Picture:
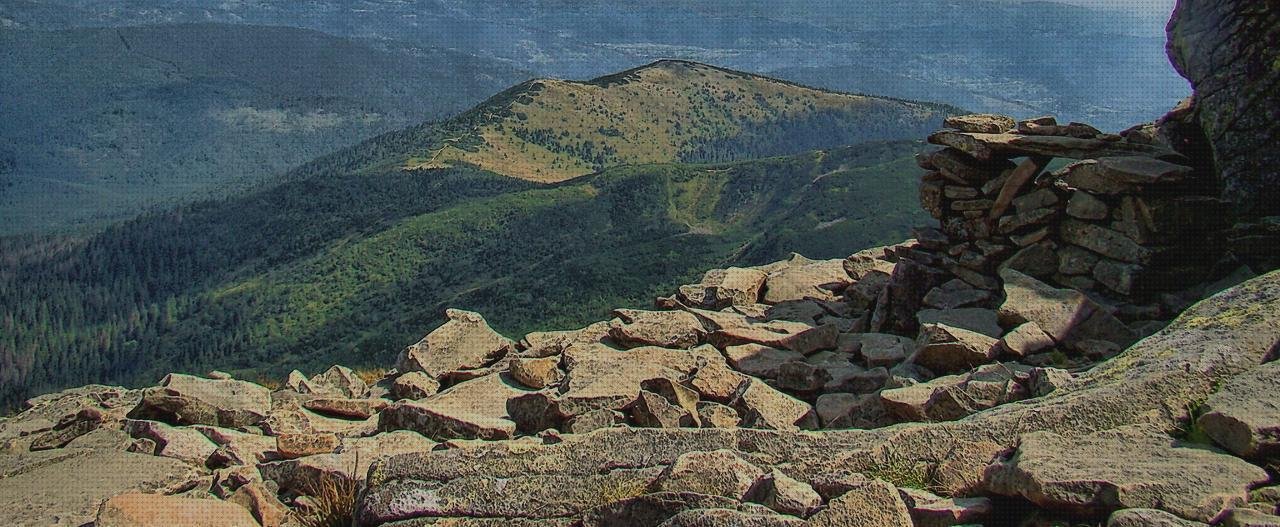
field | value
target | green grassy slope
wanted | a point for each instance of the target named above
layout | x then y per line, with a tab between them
352	268
549	130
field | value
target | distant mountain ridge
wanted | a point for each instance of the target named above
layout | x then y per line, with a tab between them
667	111
1102	66
98	124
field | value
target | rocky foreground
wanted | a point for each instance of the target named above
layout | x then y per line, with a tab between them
973	375
1080	338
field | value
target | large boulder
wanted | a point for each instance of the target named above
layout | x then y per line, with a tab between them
475	409
155	510
465	342
188	400
1066	315
763	406
1148	518
66	486
944	349
186	444
758	360
803	278
722	288
1226	48
956	396
1244	415
1129	467
871	503
716	473
665	329
351	461
729	518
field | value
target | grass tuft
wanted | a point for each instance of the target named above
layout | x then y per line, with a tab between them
334	497
371	375
614	490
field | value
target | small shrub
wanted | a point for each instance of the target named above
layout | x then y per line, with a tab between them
334	497
620	489
268	382
371	375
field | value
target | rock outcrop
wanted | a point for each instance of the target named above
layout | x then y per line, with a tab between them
1226	48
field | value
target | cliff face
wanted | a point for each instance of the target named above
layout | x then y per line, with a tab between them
1230	51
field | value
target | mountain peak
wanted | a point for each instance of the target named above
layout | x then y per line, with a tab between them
551	130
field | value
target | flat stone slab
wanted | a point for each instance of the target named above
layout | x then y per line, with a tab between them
64	487
1129	467
1244	416
474	409
996	146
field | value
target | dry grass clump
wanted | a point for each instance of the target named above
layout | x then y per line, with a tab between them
371	375
333	500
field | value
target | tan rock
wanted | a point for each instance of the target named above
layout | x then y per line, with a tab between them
474	409
870	503
1063	314
984	123
69	428
1026	339
548	343
185	444
758	360
974	319
1123	174
1148	518
292	446
729	518
414	385
665	329
595	420
956	396
877	349
715	415
715	473
1104	241
806	279
188	400
345	408
721	288
154	510
1246	517
788	496
262	504
537	373
1244	414
465	342
66	486
1132	467
795	336
929	510
944	349
338	381
962	168
654	411
762	406
1004	146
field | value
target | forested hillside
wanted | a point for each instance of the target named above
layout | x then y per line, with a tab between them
99	124
353	265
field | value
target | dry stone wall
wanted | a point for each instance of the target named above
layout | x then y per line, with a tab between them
1125	218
